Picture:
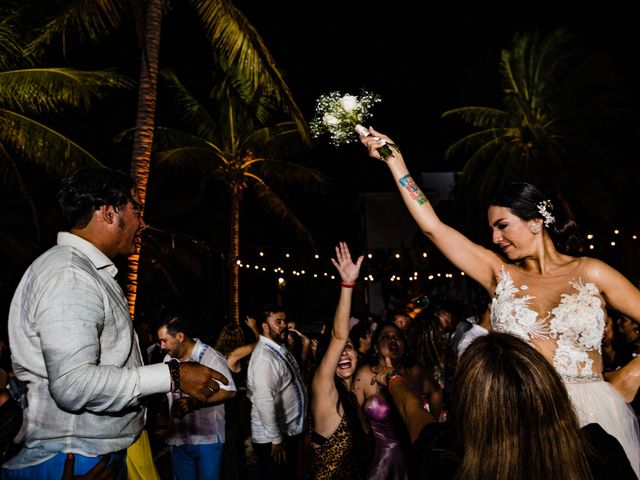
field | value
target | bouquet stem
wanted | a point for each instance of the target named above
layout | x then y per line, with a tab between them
384	151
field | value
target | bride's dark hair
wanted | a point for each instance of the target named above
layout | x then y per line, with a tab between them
523	200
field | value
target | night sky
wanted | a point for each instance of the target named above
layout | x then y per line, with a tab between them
422	60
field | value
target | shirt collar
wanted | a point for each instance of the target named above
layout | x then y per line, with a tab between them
270	342
195	353
99	259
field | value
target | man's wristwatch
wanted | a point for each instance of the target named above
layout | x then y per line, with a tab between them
174	370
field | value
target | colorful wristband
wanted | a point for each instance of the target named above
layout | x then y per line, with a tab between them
347	285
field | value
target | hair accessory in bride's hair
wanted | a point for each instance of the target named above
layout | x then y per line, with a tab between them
545	208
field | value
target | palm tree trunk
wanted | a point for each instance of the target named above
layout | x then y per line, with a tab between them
234	243
145	121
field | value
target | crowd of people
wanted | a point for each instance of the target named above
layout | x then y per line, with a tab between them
539	381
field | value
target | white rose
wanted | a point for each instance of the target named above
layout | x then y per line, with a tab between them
329	119
349	102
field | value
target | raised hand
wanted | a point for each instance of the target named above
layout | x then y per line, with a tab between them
252	323
375	140
348	270
382	373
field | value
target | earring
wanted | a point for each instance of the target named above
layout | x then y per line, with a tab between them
535	228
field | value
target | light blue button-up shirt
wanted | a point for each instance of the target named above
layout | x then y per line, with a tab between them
204	425
72	340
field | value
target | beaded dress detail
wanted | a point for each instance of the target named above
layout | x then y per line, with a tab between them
562	316
575	325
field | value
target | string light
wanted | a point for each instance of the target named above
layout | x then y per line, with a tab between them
308	257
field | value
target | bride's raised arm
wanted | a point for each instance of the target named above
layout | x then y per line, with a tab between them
478	262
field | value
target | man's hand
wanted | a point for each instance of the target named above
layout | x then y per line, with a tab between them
183	405
277	453
199	381
99	472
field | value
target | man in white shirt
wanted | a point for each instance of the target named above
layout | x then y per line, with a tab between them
196	431
278	398
73	341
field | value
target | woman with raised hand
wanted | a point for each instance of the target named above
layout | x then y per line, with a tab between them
543	291
339	441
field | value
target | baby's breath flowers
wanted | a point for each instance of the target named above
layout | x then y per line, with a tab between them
339	115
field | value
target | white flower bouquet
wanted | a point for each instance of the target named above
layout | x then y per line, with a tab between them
339	116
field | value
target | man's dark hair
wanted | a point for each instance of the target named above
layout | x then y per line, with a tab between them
176	324
86	190
267	310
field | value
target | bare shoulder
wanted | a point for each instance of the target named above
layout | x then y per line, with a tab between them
363	377
364	371
597	270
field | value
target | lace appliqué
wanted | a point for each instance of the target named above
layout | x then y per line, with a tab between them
577	324
511	314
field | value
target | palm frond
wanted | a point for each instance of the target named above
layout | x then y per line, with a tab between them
274	205
281	140
91	20
290	173
204	160
475	140
230	32
43	145
479	117
166	138
257	101
188	109
41	90
11	55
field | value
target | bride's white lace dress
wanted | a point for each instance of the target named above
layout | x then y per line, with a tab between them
562	316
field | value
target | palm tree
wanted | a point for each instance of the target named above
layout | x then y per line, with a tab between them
554	99
230	35
26	95
229	140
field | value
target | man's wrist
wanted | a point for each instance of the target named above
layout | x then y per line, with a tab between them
174	371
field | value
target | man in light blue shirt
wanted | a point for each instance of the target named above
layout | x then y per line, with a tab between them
73	341
197	429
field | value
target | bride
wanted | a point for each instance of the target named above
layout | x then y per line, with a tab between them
542	292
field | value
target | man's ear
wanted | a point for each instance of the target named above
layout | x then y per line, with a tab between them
107	213
180	337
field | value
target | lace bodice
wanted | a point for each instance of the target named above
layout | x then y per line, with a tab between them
570	332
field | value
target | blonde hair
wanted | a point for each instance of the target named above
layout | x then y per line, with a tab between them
513	415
